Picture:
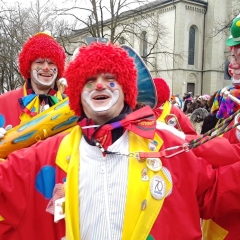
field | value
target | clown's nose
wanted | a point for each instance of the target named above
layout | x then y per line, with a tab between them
99	86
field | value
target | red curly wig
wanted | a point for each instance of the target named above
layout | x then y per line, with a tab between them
163	91
42	46
101	58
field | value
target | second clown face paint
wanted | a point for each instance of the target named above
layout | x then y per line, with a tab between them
102	96
234	66
43	72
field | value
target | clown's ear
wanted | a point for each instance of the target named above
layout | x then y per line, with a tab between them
146	87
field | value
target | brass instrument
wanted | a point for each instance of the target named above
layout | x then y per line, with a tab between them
54	120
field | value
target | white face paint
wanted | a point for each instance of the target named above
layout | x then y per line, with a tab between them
36	73
102	98
235	65
88	98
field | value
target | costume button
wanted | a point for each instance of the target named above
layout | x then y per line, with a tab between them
153	145
68	158
154	164
144	205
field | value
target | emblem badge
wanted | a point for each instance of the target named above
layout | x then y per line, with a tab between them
158	187
153	145
154	164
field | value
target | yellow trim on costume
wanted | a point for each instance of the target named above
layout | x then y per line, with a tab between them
137	222
212	231
68	160
1	218
166	110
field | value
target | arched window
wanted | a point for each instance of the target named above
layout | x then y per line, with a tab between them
143	46
191	46
122	40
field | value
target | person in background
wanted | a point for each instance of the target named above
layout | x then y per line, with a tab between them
92	182
187	100
227	226
169	113
209	121
180	100
175	101
204	102
41	63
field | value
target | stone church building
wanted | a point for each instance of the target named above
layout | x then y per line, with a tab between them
184	38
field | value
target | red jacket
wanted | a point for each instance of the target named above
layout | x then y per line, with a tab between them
198	191
10	108
230	221
24	198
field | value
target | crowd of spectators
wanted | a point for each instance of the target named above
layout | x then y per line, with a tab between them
198	109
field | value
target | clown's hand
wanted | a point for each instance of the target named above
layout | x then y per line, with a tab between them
62	84
63	81
3	131
224	92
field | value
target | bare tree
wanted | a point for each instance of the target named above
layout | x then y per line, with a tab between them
117	20
10	41
17	24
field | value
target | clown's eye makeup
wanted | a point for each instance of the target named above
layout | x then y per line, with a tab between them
88	85
112	84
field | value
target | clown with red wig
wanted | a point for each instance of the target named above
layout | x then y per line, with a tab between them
41	63
227	226
111	177
169	113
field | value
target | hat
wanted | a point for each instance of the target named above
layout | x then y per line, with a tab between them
42	46
101	58
234	38
206	97
163	91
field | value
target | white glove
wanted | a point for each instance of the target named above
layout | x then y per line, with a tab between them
63	81
3	131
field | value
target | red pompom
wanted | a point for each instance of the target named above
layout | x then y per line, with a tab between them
163	90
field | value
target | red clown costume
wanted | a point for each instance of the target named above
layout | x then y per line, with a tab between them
25	107
15	106
227	226
166	112
109	195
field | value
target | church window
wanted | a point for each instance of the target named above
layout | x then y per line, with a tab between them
191	46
